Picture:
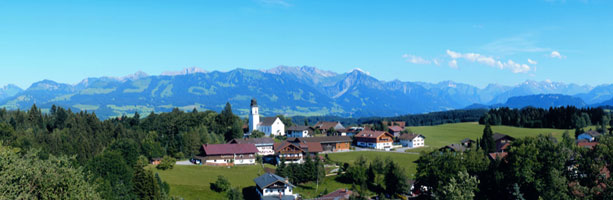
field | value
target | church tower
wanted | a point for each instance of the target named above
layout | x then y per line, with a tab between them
254	116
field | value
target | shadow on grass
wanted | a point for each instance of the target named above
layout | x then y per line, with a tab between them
250	193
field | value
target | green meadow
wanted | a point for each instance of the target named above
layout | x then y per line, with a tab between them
193	182
441	135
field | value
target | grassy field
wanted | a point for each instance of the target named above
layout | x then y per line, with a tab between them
404	160
193	182
441	135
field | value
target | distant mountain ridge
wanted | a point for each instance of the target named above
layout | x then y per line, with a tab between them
291	91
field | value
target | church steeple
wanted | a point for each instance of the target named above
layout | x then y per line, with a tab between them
254	116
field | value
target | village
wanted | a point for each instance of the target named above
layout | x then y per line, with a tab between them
298	143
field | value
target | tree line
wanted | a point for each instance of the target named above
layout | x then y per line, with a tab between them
111	154
568	117
538	167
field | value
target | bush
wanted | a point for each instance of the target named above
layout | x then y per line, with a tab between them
167	162
221	184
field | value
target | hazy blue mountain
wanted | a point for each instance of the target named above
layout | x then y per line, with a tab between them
287	90
543	87
544	101
9	90
597	95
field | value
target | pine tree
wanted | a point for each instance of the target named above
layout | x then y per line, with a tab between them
487	141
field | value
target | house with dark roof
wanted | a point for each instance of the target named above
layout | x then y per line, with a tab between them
401	124
395	130
328	143
589	136
300	131
467	142
264	145
296	152
272	187
412	140
226	154
502	141
586	144
340	194
454	148
323	127
375	139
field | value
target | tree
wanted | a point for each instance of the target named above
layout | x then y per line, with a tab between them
167	162
396	180
221	184
462	187
257	134
145	186
234	194
28	177
487	141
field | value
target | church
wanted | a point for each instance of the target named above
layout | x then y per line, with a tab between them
269	125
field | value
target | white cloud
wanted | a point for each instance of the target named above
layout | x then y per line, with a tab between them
532	62
488	60
416	59
453	64
556	54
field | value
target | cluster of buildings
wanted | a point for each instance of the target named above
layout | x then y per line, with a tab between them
301	141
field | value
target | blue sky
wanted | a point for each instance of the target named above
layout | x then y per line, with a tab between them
475	42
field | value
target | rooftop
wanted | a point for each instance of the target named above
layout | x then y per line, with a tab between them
225	149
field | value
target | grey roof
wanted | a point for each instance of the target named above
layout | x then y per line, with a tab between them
593	133
268	179
410	136
267	121
498	136
455	147
298	128
465	140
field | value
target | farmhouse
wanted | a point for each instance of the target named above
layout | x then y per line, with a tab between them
295	152
502	141
300	131
412	140
401	124
454	148
323	127
467	142
395	130
264	145
329	143
268	125
589	136
227	154
375	139
270	186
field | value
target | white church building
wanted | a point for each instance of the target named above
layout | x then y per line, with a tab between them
269	125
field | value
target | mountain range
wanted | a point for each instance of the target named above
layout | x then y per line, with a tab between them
291	91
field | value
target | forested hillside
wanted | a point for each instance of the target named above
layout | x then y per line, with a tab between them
113	151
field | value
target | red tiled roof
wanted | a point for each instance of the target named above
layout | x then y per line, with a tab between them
498	155
395	128
225	149
587	144
326	125
371	134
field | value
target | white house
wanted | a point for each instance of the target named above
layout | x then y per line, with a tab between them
375	139
412	140
269	125
271	186
265	145
299	131
227	154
